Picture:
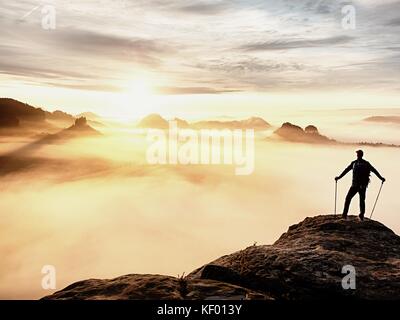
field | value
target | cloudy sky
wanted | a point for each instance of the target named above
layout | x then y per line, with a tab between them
274	51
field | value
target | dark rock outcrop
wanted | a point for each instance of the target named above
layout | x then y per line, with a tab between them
294	133
9	122
311	129
158	122
80	127
153	287
90	116
10	108
304	263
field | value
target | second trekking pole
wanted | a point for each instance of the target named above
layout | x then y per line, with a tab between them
377	197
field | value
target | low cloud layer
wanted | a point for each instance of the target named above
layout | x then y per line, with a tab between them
94	208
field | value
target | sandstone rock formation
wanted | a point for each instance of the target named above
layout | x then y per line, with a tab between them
304	263
294	133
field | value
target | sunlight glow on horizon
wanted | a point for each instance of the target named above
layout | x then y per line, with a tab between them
137	92
140	98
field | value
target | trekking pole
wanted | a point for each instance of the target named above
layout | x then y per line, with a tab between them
335	195
377	197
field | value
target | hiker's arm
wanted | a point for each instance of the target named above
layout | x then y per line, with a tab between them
345	171
377	173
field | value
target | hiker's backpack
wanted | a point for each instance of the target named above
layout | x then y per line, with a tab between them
361	172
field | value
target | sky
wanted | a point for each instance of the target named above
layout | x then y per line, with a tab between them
130	58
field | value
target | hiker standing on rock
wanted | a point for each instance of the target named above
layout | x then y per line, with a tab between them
361	172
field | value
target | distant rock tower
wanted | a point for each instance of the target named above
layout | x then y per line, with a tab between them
80	122
311	129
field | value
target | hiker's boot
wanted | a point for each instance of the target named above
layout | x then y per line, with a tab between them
344	216
361	216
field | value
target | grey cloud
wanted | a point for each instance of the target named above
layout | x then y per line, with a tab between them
92	40
192	90
146	51
49	71
71	54
57	77
326	6
85	86
381	15
23	64
32	69
204	8
320	7
393	23
324	9
249	64
296	44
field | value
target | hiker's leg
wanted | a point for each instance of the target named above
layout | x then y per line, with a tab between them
352	192
362	191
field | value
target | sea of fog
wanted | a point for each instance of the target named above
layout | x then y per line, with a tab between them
94	208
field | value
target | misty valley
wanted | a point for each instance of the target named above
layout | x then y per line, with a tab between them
82	188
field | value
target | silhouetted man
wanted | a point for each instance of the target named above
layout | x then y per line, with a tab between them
361	172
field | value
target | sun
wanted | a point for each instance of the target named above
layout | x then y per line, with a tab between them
137	99
140	90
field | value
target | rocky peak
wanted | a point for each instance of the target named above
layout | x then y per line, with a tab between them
294	133
80	122
306	262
